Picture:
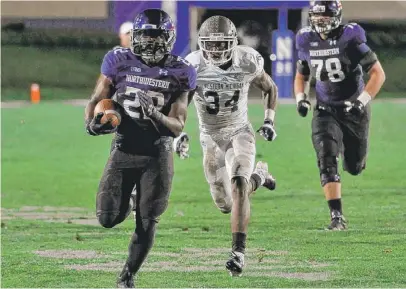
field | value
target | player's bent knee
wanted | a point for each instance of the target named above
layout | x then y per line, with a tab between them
354	169
328	170
242	167
107	220
221	196
223	203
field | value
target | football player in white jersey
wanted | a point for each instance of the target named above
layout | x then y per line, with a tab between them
225	71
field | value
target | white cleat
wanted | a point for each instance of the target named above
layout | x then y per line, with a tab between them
235	264
267	180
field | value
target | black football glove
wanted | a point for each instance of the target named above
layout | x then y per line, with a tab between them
355	107
267	130
95	127
303	107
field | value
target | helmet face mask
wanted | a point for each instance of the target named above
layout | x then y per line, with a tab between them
153	35
151	44
217	40
325	16
217	52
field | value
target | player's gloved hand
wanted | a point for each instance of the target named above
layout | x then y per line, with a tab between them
267	130
181	145
303	107
148	106
355	107
146	102
95	127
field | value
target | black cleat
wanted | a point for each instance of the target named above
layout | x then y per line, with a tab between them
338	222
126	279
235	264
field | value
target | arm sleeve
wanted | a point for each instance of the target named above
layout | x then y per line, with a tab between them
362	54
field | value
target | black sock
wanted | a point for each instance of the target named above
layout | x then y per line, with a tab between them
335	205
140	244
255	182
239	242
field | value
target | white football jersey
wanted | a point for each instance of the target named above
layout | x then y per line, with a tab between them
221	98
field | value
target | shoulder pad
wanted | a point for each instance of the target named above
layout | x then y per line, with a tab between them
184	72
302	37
246	49
355	32
255	56
251	58
194	58
306	29
120	49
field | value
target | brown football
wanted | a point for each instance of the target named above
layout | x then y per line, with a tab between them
110	110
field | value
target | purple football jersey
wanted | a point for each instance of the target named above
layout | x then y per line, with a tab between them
335	62
162	83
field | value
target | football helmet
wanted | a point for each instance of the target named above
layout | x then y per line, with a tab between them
153	35
325	16
217	40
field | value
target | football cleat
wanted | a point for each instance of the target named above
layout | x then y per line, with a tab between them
267	180
338	222
126	279
235	264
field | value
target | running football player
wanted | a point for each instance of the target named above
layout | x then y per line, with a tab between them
225	71
152	87
336	55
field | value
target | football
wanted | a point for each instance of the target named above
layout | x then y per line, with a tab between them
111	112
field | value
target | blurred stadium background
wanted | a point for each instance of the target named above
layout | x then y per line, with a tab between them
60	44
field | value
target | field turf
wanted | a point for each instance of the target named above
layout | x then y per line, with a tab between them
50	173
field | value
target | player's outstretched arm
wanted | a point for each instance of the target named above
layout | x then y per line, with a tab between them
270	97
181	143
175	120
302	88
101	91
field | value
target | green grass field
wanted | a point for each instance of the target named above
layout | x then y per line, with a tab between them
50	174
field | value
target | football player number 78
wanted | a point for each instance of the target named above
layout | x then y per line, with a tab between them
333	67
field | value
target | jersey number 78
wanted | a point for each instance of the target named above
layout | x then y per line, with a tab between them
333	67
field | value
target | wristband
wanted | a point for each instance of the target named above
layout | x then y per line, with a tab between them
300	96
364	97
155	114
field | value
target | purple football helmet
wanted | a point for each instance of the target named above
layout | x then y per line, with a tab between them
153	35
325	16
